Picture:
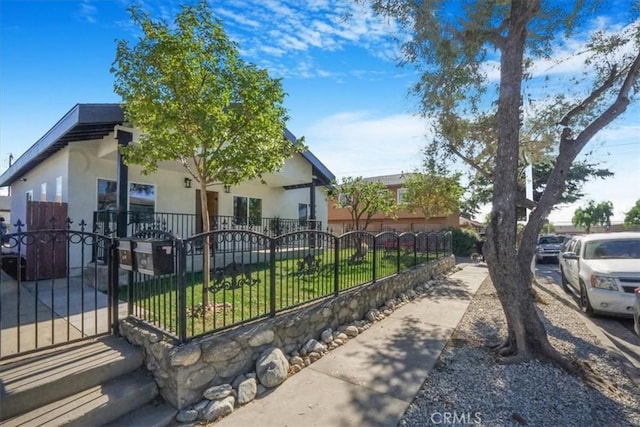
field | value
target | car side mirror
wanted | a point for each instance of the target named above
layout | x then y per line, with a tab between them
569	255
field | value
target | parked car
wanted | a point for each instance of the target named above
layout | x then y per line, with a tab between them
548	248
603	270
636	312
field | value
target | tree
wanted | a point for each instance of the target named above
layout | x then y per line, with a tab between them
432	194
481	185
632	218
593	214
584	217
363	199
579	173
198	103
454	49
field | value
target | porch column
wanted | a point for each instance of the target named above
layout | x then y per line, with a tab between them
122	172
312	199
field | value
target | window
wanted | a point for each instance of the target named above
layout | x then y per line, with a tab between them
576	248
43	192
401	196
303	213
142	197
59	189
107	194
344	200
247	210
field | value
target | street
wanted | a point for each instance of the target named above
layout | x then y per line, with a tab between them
618	330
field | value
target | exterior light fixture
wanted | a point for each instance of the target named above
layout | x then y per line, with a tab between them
187	183
227	189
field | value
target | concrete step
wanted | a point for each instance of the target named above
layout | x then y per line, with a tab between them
35	380
95	406
154	414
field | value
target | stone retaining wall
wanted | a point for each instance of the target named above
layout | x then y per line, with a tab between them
184	372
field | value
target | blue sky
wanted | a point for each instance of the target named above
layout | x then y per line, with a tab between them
346	95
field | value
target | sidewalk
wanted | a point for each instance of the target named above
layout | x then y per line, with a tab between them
372	379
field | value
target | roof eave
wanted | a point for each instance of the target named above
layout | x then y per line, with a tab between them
79	115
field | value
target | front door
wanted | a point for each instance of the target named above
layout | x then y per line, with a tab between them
212	206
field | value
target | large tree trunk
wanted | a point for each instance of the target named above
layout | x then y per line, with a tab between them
527	337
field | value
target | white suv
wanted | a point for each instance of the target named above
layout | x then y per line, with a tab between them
603	269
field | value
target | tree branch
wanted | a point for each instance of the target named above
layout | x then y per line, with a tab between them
618	107
523	202
593	96
470	162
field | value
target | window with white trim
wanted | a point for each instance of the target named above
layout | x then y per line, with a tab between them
59	189
247	210
401	195
142	197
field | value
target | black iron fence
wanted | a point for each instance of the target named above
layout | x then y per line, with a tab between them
50	291
252	275
185	225
54	291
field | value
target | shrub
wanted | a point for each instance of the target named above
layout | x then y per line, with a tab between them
463	241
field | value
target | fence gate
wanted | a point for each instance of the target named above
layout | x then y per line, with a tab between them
46	258
60	296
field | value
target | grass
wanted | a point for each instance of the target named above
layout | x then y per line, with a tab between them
244	293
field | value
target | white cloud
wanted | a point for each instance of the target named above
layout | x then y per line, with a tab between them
88	12
236	17
359	144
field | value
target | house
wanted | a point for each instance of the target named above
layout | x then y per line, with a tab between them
472	225
340	218
76	165
5	208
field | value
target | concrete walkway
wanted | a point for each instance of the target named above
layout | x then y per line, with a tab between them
372	379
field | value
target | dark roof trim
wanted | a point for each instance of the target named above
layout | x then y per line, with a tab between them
94	121
82	122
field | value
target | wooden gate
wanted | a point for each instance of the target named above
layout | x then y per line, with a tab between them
46	253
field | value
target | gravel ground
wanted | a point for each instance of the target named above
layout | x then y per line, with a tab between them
468	387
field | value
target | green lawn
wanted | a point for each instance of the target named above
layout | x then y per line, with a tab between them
245	294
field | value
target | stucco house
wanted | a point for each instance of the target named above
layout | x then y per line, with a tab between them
340	218
76	164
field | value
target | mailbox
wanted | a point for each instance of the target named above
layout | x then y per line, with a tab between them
154	257
125	254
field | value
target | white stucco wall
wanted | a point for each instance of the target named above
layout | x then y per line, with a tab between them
82	163
86	168
47	172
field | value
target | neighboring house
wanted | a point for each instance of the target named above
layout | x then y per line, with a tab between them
5	209
340	218
470	224
76	164
573	230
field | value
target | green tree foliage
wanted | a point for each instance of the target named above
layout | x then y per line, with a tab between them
593	214
480	117
363	199
463	241
197	102
632	218
480	188
432	194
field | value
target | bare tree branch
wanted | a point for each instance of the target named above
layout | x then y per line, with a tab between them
593	96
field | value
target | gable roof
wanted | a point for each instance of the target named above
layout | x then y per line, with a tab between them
95	121
389	180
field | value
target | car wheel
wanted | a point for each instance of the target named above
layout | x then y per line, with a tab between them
564	282
636	325
585	305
